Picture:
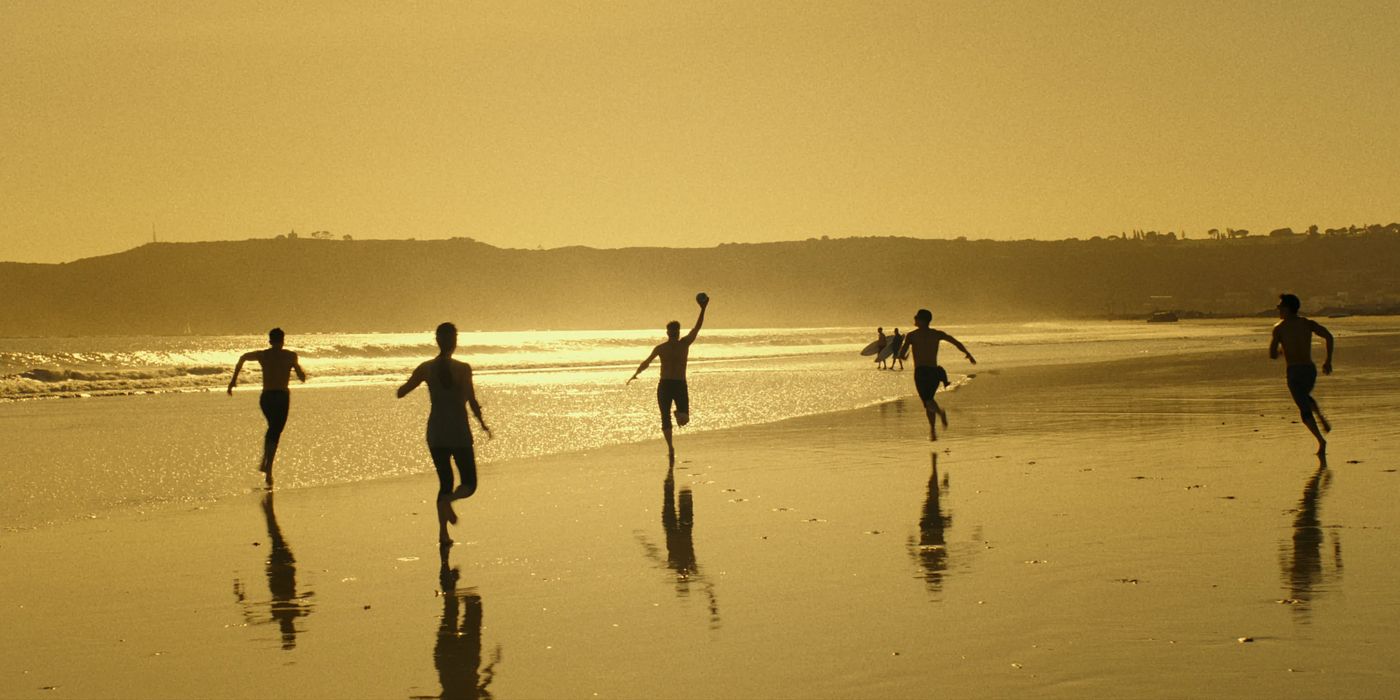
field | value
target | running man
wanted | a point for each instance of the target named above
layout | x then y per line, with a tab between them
277	364
927	373
672	388
1294	333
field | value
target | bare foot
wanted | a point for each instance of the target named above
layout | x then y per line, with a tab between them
445	512
1326	427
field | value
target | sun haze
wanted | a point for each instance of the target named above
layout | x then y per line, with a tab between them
688	124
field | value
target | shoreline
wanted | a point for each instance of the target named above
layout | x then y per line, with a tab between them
1079	531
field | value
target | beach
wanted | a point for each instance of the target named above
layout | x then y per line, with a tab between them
1152	526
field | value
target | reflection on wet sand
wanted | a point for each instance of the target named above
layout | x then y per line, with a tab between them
457	654
1304	568
931	551
286	604
678	523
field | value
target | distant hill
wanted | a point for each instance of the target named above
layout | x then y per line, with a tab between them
335	285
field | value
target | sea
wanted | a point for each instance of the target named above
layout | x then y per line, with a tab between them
94	425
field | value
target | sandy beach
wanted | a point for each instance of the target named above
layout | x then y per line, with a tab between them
1147	528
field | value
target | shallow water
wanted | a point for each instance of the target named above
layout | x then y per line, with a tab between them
73	458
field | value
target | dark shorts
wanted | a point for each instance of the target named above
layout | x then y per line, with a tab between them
672	391
275	405
927	379
1301	379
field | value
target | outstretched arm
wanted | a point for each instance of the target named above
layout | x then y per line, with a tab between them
233	382
419	374
1326	338
700	321
959	346
647	362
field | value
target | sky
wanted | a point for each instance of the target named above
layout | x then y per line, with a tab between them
657	123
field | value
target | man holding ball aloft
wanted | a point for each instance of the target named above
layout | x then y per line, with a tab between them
672	389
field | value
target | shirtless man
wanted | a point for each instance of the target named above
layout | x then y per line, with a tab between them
927	373
277	365
1294	333
672	389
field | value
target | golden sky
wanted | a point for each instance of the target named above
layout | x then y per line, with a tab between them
689	123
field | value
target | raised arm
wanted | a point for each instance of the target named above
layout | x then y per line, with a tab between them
699	321
419	374
960	346
474	404
647	362
1326	336
233	382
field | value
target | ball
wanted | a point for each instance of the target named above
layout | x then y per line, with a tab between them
701	298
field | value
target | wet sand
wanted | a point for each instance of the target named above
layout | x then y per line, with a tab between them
1105	530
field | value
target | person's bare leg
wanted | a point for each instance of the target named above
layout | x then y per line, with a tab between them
1326	427
445	515
930	410
670	448
269	453
1306	413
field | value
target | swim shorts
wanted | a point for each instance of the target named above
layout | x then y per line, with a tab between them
1301	379
669	391
927	379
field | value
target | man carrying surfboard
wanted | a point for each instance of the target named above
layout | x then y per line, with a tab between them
672	388
927	372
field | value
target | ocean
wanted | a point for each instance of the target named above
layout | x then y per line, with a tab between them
98	424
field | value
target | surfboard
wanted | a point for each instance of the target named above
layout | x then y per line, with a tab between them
871	349
886	351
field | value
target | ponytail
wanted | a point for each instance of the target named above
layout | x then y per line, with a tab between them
447	342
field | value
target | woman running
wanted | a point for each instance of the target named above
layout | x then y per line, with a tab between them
450	392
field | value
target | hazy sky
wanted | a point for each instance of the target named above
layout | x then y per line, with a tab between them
689	123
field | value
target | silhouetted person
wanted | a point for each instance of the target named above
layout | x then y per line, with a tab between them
678	524
895	341
286	605
450	392
1304	567
879	349
932	550
1294	333
277	365
457	654
672	388
928	374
